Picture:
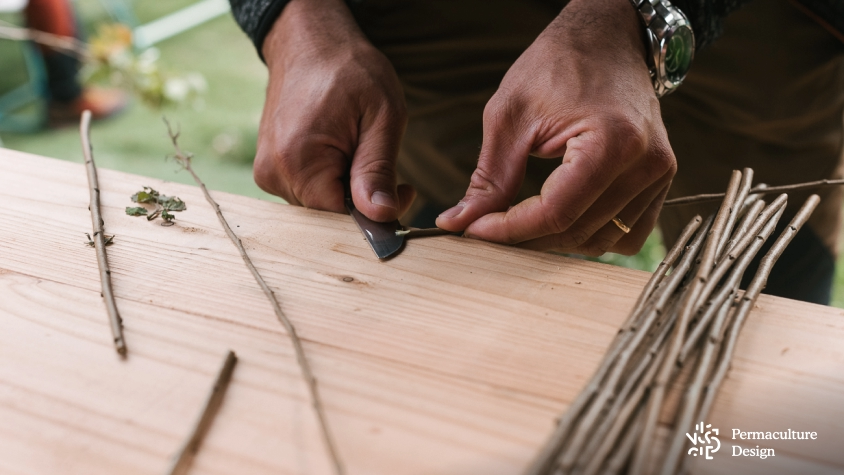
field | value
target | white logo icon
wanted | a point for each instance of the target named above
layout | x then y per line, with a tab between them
709	444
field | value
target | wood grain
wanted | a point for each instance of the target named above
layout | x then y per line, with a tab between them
452	358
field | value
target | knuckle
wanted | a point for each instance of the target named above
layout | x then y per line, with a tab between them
577	237
501	106
632	138
560	221
379	169
483	181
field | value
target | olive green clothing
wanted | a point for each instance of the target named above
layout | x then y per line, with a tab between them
769	95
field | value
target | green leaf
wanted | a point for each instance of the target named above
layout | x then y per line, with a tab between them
172	203
148	195
166	216
138	211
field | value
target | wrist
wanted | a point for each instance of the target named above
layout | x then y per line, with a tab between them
612	27
312	26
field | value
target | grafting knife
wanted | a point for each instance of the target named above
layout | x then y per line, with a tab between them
380	236
385	239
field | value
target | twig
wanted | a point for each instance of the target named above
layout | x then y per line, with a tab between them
184	160
743	242
757	190
670	257
183	460
65	44
730	287
99	235
690	297
749	299
750	215
627	400
544	461
427	232
628	442
735	209
688	408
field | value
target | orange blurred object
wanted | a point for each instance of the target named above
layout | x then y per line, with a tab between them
102	102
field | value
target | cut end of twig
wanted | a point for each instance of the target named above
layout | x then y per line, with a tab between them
120	346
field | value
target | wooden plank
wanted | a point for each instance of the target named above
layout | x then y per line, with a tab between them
452	358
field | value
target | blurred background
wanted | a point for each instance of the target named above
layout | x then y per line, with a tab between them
210	84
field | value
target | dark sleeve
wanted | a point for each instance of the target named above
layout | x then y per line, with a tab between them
256	18
707	17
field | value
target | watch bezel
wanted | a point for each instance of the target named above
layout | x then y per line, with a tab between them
662	80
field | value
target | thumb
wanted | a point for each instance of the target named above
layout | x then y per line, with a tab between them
373	170
497	178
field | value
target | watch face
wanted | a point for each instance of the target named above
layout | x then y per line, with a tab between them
678	53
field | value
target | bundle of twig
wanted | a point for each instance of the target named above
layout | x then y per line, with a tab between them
690	317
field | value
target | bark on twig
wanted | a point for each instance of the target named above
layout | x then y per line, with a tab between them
669	365
115	321
735	210
749	299
545	460
670	257
757	190
611	426
184	160
730	287
183	460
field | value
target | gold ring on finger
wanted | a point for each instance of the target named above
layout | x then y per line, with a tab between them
618	222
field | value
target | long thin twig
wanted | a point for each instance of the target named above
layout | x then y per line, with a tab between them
735	210
627	400
184	160
730	286
696	389
115	321
732	253
749	299
544	461
670	257
183	459
756	190
669	365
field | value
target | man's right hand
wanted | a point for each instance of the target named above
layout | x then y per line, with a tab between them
332	99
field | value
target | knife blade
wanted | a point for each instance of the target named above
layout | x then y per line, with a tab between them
382	237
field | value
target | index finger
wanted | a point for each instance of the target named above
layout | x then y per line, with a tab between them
588	169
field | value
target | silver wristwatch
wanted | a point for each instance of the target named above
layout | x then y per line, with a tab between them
671	43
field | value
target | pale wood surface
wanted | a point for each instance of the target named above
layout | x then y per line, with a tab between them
452	358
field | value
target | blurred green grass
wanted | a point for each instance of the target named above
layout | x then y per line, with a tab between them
222	134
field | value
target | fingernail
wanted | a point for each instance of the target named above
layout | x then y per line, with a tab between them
453	211
383	199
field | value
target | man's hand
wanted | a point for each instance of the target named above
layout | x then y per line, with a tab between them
582	92
332	99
